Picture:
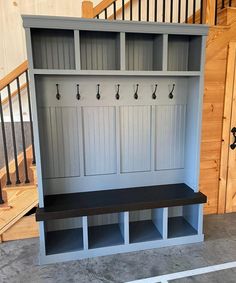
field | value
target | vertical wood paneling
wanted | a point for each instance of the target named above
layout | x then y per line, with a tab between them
59	142
53	49
178	53
99	50
46	142
99	140
140	215
61	224
139	52
170	136
135	123
104	219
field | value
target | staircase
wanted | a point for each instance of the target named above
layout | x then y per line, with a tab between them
18	177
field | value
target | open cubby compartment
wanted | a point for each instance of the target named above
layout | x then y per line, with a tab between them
106	230
183	220
184	53
99	50
63	235
146	225
53	49
144	52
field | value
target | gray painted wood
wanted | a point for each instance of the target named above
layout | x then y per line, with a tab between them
159	220
59	142
135	138
100	50
63	224
77	50
192	142
122	51
99	140
191	215
170	139
184	53
143	52
104	219
114	26
110	143
118	73
53	49
175	211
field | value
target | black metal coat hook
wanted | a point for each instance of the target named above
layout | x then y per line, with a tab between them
118	92
171	92
98	92
154	96
58	96
233	145
136	92
78	93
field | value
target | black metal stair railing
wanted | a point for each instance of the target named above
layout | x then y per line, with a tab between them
14	143
172	11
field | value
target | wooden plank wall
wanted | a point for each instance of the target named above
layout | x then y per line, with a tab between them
215	72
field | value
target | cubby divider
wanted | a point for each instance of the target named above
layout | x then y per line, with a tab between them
183	220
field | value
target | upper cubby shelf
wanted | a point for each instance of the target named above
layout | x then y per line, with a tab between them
143	52
99	50
53	49
92	52
184	53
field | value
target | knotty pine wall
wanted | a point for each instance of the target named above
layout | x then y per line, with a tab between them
215	73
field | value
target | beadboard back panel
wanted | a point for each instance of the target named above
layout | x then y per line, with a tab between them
53	49
135	138
99	51
143	52
99	140
59	142
113	143
171	138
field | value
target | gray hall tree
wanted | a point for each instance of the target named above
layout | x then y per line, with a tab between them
117	119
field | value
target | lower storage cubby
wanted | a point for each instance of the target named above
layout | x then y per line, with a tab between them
105	230
183	221
63	235
146	225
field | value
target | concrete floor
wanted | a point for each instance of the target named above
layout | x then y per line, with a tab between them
19	260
